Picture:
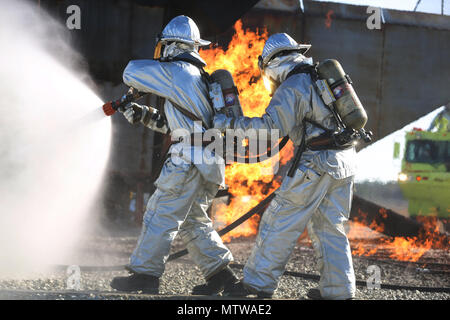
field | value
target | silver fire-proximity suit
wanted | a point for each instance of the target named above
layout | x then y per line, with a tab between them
184	190
318	196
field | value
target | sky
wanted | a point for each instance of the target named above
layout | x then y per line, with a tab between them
429	6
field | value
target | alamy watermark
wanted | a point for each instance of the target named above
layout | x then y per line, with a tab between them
373	282
74	19
375	19
373	22
73	281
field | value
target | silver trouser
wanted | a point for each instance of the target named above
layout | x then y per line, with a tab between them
323	204
179	205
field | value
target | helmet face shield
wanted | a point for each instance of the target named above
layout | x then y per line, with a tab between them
158	47
158	50
270	84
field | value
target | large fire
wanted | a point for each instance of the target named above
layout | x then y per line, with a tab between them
398	248
248	184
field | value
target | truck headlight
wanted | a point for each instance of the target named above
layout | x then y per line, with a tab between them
402	177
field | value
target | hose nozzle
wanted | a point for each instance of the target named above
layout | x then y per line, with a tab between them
110	107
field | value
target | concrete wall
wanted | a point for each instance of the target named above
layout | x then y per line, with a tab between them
112	33
400	72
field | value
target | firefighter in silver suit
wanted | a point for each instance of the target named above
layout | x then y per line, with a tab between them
185	189
317	197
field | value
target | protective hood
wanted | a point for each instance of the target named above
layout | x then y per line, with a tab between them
182	52
278	68
175	49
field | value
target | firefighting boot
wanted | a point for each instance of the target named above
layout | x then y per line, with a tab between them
217	283
314	294
136	282
239	289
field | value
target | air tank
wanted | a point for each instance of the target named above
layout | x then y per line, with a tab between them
226	97
347	103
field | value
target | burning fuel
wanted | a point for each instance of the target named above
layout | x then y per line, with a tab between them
397	248
248	184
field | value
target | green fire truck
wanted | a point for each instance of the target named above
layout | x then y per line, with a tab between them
425	172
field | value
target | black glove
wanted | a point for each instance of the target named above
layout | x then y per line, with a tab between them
135	113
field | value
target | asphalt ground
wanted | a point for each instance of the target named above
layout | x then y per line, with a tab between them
100	259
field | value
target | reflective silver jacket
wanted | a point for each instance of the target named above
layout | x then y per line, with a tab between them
179	82
295	100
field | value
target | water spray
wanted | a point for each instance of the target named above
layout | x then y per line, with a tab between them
54	147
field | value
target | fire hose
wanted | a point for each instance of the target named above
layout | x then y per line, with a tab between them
296	274
110	108
259	209
359	283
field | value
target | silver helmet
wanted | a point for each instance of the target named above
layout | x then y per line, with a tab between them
279	42
183	29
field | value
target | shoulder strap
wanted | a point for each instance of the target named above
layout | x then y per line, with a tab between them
205	77
299	153
190	57
207	80
318	125
312	70
189	114
305	68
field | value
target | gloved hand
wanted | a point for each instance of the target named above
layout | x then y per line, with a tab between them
222	122
148	116
135	113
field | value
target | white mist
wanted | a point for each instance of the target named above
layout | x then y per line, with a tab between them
54	141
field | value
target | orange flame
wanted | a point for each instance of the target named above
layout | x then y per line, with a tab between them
329	19
248	183
399	248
